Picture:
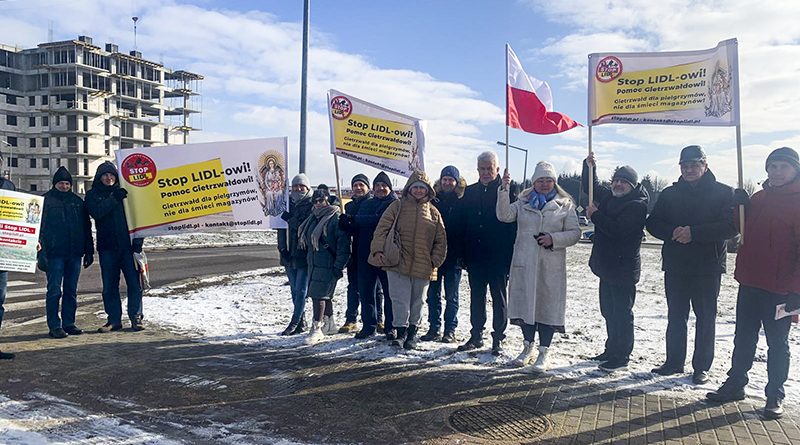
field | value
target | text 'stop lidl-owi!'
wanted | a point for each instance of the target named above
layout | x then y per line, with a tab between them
20	220
372	135
209	187
669	88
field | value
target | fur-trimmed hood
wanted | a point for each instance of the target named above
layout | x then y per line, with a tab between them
419	176
460	187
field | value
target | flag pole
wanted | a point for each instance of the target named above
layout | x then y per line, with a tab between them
507	106
741	179
338	181
590	188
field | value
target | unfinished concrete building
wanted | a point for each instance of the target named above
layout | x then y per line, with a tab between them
74	104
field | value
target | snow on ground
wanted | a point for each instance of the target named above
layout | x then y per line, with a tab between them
253	307
195	240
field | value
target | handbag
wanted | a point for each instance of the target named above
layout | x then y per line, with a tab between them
392	246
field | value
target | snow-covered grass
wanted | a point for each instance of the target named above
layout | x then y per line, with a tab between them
195	240
253	307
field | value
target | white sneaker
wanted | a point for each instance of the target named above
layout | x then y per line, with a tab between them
540	365
525	356
314	335
329	325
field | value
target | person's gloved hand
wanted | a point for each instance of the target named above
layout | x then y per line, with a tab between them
792	302
740	197
345	220
120	193
285	216
339	273
136	245
87	260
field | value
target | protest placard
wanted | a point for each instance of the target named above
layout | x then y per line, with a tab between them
20	220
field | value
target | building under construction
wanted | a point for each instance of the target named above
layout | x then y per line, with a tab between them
74	104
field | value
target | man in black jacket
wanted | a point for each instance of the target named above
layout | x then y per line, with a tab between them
449	191
488	245
5	184
65	237
115	247
360	193
619	219
694	218
293	258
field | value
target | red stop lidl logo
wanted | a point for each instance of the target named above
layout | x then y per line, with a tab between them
139	170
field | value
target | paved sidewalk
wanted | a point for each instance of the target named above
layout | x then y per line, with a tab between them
198	393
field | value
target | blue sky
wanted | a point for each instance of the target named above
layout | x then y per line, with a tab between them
443	61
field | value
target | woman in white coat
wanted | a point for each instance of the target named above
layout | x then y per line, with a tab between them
546	225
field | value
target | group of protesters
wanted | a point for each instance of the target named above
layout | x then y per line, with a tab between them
401	251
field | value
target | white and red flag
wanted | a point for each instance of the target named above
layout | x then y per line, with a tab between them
529	102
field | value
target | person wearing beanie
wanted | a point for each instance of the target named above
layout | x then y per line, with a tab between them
293	257
5	184
546	225
694	218
364	223
328	250
487	248
65	238
360	193
449	190
768	272
420	229
619	214
114	245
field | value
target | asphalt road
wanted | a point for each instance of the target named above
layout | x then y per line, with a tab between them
26	292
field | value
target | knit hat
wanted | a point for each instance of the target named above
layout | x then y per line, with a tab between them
301	179
784	154
627	174
322	191
692	153
62	174
360	178
450	171
384	178
544	170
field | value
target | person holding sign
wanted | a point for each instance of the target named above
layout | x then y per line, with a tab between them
546	225
293	258
768	272
66	236
423	247
5	184
694	218
328	250
104	202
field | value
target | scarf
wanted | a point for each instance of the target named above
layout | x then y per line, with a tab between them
322	215
297	196
538	200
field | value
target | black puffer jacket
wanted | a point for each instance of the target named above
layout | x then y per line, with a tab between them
326	264
109	214
346	222
66	229
488	243
291	255
708	209
618	230
449	205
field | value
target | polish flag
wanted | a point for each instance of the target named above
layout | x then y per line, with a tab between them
529	102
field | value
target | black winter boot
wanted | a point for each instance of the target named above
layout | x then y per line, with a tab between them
432	335
301	326
290	329
401	337
411	338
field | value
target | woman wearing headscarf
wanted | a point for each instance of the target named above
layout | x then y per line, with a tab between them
328	250
423	248
546	225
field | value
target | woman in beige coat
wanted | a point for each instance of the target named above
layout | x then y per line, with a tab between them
423	249
546	225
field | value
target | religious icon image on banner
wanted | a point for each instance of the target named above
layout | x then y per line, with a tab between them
271	179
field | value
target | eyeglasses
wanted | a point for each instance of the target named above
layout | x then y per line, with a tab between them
319	200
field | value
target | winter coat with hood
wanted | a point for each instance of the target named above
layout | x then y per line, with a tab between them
326	263
66	231
448	204
706	207
291	255
618	230
423	239
770	257
365	222
109	213
537	291
488	242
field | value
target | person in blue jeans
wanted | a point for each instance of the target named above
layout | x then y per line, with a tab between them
293	258
5	184
449	190
104	202
65	238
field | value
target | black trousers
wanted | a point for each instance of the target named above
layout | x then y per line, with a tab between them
616	306
756	308
479	279
369	278
700	292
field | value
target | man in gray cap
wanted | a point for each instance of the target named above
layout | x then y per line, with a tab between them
694	218
618	214
293	257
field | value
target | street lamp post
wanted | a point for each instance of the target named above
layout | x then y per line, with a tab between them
525	174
